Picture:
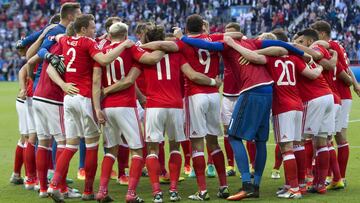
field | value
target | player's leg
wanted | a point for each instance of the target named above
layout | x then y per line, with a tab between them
185	145
123	163
275	173
341	138
19	152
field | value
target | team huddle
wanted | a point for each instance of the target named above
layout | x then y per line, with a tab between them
133	95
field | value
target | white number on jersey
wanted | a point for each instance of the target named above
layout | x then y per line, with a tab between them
285	77
206	62
73	55
167	68
111	76
334	78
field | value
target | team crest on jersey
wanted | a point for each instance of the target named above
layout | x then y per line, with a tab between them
72	43
51	38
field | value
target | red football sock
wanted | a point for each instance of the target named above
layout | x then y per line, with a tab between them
186	150
209	157
199	167
278	157
91	159
106	168
229	152
153	166
62	164
137	163
309	154
299	152
343	157
162	158
322	162
59	151
42	159
123	159
315	173
251	148
18	158
334	165
50	162
174	168
219	162
290	168
24	158
30	160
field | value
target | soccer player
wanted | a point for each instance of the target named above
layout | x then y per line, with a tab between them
323	28
79	53
120	103
319	114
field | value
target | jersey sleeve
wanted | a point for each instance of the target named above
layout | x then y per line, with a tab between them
97	65
300	64
49	40
137	52
217	37
93	47
28	40
182	59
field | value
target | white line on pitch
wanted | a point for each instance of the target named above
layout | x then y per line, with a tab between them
355	120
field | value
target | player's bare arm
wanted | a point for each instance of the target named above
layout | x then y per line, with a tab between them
322	43
314	54
312	74
329	64
96	95
234	35
151	58
68	88
346	78
166	46
34	48
199	78
273	51
105	59
123	83
249	55
22	81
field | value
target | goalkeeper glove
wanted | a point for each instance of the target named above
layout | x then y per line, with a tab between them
56	62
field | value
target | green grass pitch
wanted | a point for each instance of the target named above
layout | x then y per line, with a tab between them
10	193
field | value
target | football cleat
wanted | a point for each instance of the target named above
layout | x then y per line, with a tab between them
181	179
321	189
303	189
71	194
113	175
16	179
328	180
275	174
282	190
174	196
30	183
336	185
123	180
248	191
55	194
43	194
223	192
81	174
200	196
133	198
210	171
187	170
230	171
158	197
103	196
291	194
88	196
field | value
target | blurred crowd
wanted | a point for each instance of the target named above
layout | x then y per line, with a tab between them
21	17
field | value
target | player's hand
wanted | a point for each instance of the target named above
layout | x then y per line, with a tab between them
128	43
101	117
56	61
22	94
229	40
218	81
332	52
177	32
143	103
70	89
356	88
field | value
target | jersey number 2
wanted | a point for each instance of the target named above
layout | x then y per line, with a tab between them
73	55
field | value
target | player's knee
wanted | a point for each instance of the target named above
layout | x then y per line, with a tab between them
44	142
152	147
32	139
112	150
92	140
73	141
174	146
136	152
286	146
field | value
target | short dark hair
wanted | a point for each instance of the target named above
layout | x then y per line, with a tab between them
109	21
321	26
280	34
309	33
194	23
82	21
233	25
155	33
55	19
68	8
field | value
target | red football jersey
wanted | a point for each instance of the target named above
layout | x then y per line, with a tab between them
311	89
30	83
286	95
78	53
344	90
163	82
203	61
246	76
117	70
329	75
46	88
103	42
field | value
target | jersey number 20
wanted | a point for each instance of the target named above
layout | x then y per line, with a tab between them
285	77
